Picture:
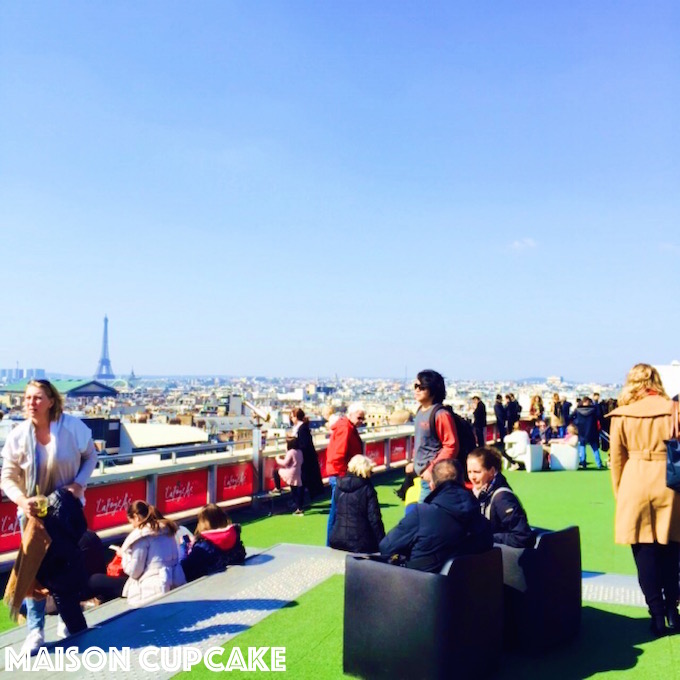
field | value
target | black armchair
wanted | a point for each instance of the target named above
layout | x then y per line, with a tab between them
548	613
403	623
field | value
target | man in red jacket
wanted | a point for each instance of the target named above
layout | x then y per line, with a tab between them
344	443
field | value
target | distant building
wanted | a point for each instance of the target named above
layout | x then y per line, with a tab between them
670	377
15	374
75	389
297	395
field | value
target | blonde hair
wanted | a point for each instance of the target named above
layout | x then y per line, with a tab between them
640	379
51	392
361	466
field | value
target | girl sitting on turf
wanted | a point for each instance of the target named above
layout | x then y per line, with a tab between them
150	559
217	544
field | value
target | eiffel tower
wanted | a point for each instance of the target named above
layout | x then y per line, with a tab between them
104	370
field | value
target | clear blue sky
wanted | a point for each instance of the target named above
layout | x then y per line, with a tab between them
309	188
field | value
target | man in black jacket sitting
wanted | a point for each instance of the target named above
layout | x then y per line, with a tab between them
447	524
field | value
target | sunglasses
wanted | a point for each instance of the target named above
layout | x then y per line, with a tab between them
418	386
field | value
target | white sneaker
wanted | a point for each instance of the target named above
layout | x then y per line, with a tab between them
34	641
62	630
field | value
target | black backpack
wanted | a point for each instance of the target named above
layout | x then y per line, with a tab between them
466	435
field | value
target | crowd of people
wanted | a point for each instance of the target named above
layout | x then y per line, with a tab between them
463	504
584	426
453	518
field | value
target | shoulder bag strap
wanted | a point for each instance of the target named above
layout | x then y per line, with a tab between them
487	513
433	418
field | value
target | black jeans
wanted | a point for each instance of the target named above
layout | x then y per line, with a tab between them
297	492
105	587
657	567
62	572
68	606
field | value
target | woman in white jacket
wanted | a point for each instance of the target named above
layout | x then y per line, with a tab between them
150	556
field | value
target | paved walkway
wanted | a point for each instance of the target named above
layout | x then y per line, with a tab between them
612	589
211	611
203	614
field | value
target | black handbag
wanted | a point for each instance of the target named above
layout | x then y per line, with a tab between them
673	453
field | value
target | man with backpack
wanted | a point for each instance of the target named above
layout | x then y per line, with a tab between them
436	437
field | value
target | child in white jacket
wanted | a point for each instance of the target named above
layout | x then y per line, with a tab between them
149	555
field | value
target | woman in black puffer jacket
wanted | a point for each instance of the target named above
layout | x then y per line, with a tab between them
358	524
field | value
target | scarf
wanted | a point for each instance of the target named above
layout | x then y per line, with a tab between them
486	494
32	468
34	544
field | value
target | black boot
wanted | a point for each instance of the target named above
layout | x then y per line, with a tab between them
658	626
673	618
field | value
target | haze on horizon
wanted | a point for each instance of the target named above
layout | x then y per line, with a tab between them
357	188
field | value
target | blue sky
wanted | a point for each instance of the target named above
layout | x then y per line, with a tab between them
361	188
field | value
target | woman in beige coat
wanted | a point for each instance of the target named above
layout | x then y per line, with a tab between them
647	511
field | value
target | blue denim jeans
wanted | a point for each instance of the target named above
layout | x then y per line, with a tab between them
582	455
425	491
35	609
333	480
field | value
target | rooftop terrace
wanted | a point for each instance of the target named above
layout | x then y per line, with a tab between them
290	594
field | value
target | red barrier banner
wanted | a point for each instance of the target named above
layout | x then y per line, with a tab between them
491	434
376	452
397	450
268	467
106	505
182	491
10	533
234	481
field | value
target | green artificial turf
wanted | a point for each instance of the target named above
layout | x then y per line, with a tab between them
310	629
552	500
5	622
557	499
264	531
614	643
